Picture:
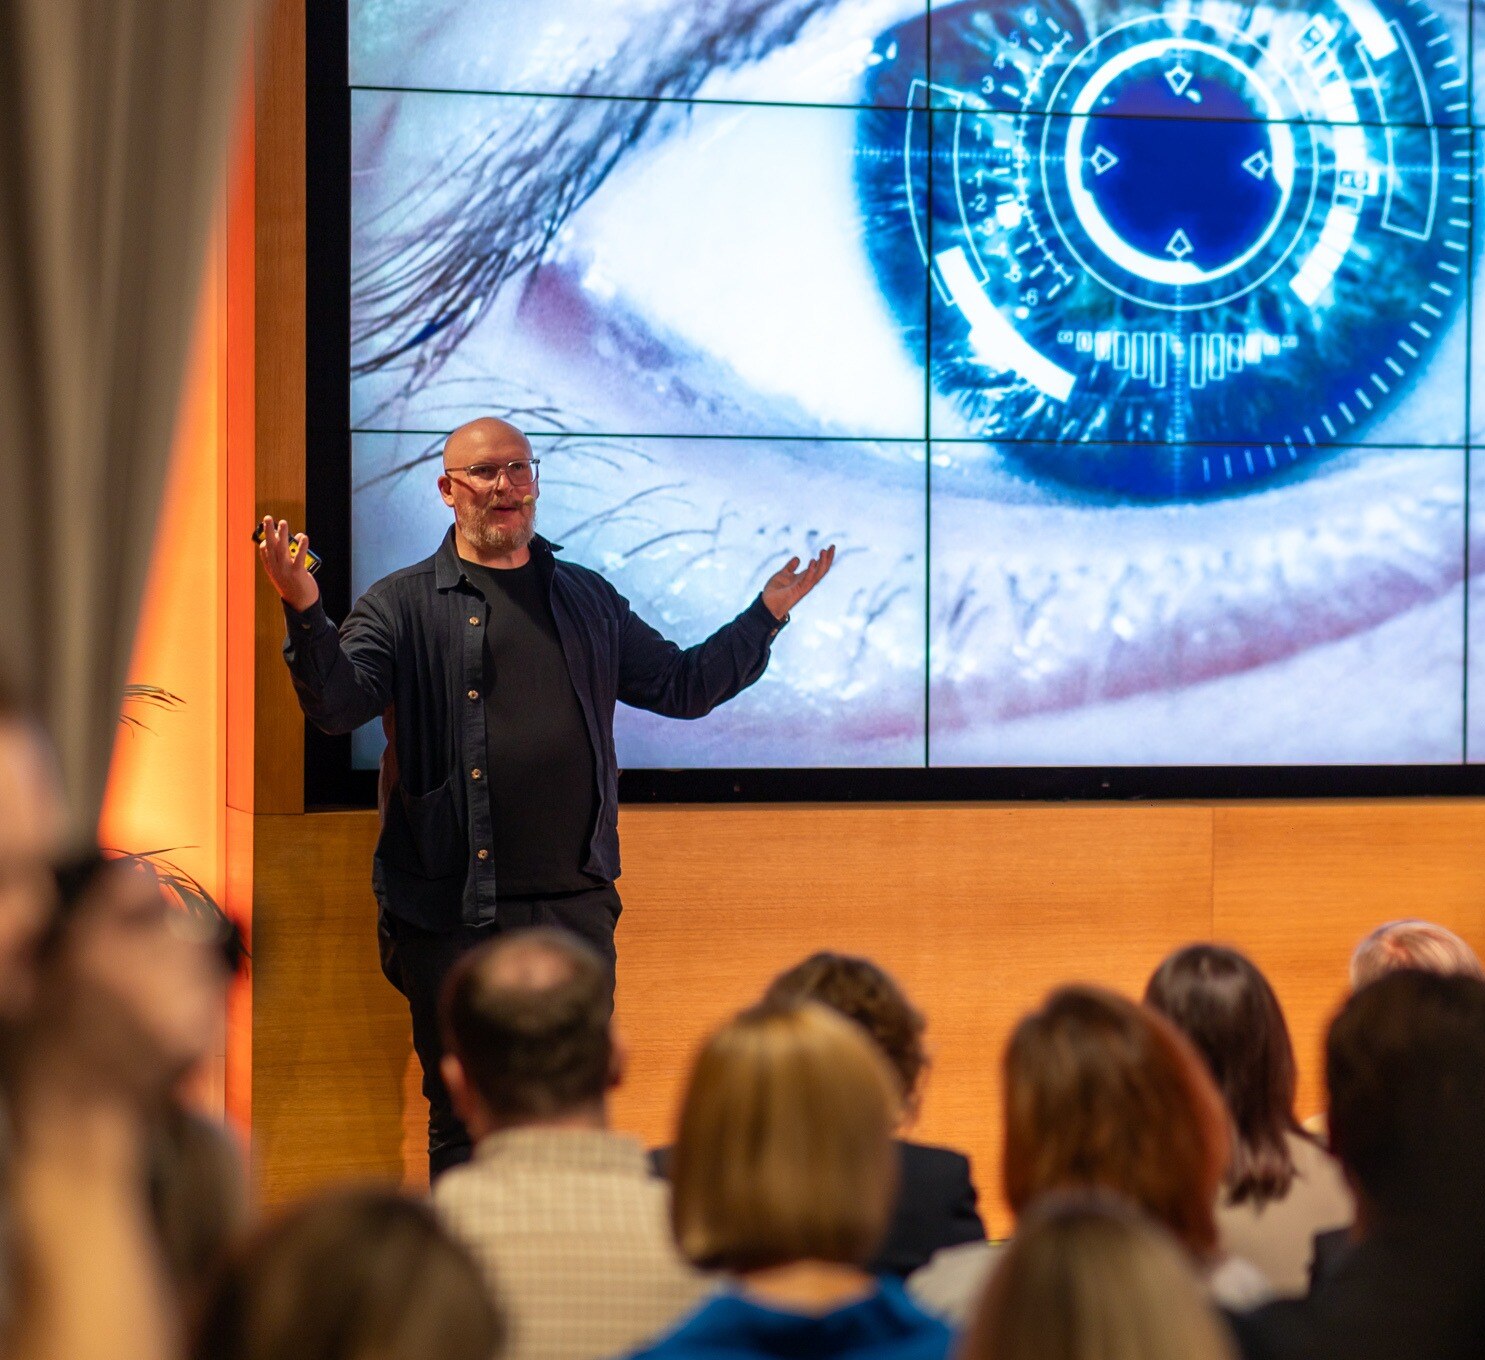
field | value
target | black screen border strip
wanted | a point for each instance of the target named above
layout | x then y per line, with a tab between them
330	780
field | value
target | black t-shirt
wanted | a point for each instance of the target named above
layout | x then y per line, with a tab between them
543	784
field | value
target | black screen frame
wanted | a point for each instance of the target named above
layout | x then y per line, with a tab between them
330	779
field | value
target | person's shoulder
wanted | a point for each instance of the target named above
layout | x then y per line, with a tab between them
593	589
1310	1155
943	1160
1319	1181
925	1166
952	1280
576	573
919	1334
707	1331
900	1303
1280	1330
452	1188
416	576
408	588
1237	1284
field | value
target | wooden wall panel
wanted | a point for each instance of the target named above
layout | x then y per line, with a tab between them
330	1034
978	910
279	377
1296	885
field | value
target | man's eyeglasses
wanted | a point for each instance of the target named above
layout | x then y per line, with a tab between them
483	476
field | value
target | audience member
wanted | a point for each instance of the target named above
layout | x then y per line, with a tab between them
1411	944
87	1050
117	936
197	1182
1405	1072
1087	1278
1282	1188
936	1203
563	1214
32	818
198	1199
936	1198
122	1009
784	1178
1102	1093
1145	1181
360	1275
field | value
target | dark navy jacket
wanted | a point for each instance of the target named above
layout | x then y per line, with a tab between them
412	650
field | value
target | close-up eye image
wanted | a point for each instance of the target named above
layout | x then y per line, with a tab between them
1122	348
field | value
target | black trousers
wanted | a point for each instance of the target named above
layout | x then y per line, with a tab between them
416	962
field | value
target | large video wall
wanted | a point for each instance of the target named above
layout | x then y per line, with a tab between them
1123	349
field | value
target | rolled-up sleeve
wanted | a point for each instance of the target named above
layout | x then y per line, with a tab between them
656	674
344	676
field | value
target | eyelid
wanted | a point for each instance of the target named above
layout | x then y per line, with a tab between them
412	307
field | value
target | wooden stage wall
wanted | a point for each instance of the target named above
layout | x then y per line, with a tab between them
978	909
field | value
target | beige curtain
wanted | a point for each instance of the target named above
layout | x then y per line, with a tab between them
114	119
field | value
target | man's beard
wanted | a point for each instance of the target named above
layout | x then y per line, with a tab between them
485	536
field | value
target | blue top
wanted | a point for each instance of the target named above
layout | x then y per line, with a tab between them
886	1325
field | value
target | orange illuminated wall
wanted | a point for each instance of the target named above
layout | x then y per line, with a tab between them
168	788
167	784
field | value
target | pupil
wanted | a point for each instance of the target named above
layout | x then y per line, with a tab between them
1197	188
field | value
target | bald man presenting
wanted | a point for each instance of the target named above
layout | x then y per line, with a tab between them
495	668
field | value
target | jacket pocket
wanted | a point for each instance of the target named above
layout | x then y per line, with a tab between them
422	834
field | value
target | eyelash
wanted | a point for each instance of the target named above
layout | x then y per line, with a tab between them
414	307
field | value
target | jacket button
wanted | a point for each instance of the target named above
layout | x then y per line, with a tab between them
474	774
474	694
474	619
483	854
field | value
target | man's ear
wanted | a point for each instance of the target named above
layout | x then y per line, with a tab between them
463	1099
618	1057
446	489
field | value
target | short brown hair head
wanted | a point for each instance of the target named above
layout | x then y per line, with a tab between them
527	1015
357	1275
1086	1277
1102	1093
862	992
1412	944
784	1151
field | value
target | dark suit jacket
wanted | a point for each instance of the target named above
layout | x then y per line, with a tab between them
936	1206
1383	1300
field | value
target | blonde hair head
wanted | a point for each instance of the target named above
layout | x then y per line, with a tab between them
784	1151
1422	945
1087	1278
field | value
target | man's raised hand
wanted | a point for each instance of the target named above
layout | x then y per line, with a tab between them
788	586
289	574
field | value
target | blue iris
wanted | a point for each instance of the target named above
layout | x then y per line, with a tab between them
1161	258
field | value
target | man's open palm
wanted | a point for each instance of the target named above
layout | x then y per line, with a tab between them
788	586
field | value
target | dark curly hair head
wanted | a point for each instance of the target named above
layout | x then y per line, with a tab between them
862	992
